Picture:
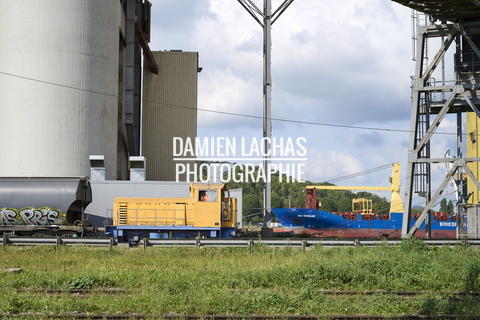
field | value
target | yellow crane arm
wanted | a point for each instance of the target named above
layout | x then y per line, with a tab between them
349	188
396	203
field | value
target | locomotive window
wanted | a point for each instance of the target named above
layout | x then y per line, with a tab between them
207	195
226	196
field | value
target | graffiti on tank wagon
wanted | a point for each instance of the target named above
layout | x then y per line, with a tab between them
32	217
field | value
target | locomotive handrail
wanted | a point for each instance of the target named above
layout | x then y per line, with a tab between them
135	219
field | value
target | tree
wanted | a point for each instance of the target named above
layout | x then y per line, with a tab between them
251	206
277	201
450	207
328	204
344	204
443	205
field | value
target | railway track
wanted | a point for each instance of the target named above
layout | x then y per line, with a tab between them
114	291
399	294
237	317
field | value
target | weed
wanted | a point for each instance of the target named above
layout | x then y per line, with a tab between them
413	244
88	282
233	281
472	278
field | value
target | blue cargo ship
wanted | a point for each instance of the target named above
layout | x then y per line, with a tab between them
362	221
318	223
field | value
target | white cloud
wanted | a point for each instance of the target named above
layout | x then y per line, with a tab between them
337	62
346	63
324	166
223	91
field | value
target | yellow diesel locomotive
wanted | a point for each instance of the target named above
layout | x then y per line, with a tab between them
209	212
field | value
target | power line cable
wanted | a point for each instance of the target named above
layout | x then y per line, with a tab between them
358	174
222	112
60	85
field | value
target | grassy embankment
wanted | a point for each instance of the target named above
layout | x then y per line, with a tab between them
233	281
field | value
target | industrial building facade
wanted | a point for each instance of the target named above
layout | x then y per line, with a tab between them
169	110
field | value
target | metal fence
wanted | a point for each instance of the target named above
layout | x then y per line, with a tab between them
302	244
294	243
58	241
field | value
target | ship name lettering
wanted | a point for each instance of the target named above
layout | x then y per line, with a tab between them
448	224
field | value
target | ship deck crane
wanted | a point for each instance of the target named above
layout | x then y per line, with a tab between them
396	203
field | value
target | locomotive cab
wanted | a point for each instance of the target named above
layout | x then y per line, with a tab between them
214	206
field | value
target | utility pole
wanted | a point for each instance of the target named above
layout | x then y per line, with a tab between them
265	18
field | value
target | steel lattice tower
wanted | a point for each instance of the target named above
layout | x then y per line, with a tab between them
455	25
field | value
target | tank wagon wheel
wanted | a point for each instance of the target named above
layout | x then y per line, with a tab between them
40	233
67	233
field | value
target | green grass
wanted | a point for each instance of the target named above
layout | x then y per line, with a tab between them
234	281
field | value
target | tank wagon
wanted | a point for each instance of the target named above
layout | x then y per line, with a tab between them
209	212
44	206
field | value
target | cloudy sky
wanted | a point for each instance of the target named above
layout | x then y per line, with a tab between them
340	77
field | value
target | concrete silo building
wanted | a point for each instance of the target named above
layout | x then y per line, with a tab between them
70	83
59	101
